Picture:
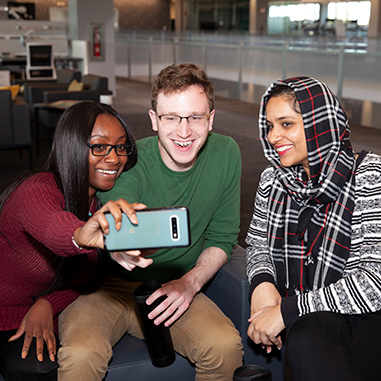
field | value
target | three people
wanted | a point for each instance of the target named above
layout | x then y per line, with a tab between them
185	165
51	224
314	243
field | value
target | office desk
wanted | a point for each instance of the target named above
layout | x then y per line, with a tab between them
18	63
14	65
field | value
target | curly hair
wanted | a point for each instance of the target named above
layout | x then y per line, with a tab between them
177	78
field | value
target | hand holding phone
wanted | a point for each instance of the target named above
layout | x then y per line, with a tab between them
156	228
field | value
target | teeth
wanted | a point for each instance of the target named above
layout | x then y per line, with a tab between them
107	172
183	144
283	148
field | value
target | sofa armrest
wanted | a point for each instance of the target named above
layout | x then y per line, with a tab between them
229	290
88	95
34	93
18	81
85	95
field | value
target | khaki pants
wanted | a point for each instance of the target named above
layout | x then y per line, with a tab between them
94	323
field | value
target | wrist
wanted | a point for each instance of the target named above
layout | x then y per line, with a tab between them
76	244
74	240
45	302
193	282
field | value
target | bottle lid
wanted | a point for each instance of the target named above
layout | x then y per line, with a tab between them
146	289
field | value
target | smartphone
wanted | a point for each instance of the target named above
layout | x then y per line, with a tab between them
157	228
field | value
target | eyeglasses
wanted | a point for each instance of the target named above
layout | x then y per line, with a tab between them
105	149
195	121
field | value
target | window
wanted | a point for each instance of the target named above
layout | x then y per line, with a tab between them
352	11
296	12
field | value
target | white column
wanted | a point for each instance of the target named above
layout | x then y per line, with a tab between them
179	18
253	17
374	29
81	14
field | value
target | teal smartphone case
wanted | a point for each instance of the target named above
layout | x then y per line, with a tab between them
156	229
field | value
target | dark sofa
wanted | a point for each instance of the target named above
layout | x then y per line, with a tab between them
229	290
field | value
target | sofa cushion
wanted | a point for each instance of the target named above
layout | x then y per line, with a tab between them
131	361
76	86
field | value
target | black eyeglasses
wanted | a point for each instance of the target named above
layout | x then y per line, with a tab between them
171	121
105	149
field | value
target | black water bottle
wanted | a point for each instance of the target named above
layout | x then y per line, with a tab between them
252	373
158	338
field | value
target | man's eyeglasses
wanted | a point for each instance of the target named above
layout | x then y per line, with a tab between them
105	149
195	121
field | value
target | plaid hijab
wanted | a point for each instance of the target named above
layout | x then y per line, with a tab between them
309	220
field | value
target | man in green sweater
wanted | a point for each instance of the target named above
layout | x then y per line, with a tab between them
185	165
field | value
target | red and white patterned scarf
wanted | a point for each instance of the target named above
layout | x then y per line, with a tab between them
309	221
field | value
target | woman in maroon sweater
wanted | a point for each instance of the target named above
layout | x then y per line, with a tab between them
50	230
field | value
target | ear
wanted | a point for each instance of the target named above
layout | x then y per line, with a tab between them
211	120
153	117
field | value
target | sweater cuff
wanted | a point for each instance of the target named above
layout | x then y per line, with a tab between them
257	280
289	309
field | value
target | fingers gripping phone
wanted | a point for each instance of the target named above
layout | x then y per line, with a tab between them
156	229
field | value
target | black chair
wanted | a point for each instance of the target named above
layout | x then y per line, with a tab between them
15	126
34	90
93	87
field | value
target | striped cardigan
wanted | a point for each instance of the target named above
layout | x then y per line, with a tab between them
359	289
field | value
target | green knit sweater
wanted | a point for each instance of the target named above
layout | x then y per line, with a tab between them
210	190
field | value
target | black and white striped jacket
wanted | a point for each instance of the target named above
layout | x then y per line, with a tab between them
359	289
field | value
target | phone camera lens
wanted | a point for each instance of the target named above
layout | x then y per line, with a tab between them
174	227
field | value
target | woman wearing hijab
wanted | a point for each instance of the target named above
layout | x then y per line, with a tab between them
314	242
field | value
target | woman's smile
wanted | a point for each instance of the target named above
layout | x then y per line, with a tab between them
104	170
286	133
282	150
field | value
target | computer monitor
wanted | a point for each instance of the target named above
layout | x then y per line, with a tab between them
40	61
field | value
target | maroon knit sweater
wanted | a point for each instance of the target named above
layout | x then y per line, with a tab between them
34	230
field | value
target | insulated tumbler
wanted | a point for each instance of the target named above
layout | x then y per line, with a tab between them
158	337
